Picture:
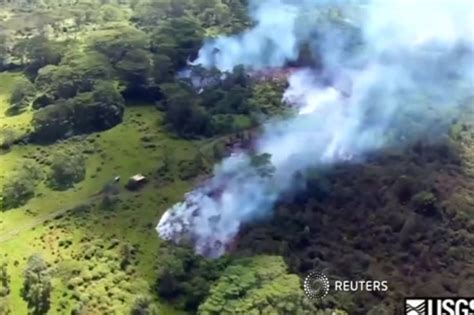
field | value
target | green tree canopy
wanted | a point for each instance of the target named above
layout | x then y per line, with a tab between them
266	98
38	51
98	110
4	278
20	186
256	285
143	305
21	96
179	39
67	168
186	277
113	13
116	40
53	122
183	111
162	70
150	13
78	72
37	286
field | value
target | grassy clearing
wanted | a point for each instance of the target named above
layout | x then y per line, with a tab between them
138	145
116	152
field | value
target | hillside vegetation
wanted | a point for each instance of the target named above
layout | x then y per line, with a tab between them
93	92
89	92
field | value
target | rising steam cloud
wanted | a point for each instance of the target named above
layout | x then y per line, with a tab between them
390	62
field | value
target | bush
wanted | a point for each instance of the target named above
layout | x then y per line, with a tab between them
109	202
67	168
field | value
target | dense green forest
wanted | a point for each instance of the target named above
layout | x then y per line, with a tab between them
93	92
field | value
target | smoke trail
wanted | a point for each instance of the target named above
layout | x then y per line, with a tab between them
392	63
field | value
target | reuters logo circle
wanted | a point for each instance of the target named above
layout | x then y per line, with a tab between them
316	285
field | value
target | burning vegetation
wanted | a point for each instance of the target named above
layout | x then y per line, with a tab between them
358	99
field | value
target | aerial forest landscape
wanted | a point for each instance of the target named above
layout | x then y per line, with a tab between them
203	157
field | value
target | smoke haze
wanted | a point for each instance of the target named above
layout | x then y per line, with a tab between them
395	68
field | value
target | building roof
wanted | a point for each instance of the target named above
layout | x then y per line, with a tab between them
138	177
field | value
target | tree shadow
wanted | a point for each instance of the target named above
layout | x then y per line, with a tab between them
14	111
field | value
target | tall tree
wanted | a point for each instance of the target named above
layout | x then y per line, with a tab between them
118	40
22	94
38	52
179	39
37	286
183	111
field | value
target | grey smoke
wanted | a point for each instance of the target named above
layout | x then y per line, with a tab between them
396	68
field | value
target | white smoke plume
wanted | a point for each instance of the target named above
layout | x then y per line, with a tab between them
392	62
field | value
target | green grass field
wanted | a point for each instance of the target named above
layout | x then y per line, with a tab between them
83	246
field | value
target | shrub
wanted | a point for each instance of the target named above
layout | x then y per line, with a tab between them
109	202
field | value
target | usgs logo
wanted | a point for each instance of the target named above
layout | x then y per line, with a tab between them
439	306
317	286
